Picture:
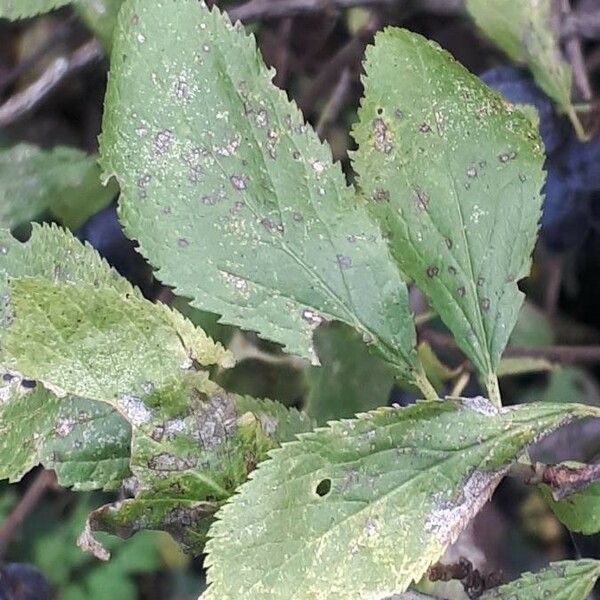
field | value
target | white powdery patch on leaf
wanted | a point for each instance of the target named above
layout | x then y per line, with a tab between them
450	519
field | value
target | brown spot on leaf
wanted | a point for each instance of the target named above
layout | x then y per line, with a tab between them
432	271
381	195
421	200
485	304
239	182
461	291
345	262
382	139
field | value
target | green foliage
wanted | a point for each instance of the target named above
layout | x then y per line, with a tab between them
349	380
526	31
464	226
532	328
566	580
63	182
285	244
75	575
390	491
19	9
578	512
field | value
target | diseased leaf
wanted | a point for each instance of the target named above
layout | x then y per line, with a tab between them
233	197
101	17
349	381
579	512
527	30
64	182
565	580
19	9
362	508
85	442
88	334
453	176
187	463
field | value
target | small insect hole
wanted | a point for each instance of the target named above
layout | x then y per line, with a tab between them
323	487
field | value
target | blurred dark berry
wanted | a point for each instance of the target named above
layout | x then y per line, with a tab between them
20	581
104	232
573	177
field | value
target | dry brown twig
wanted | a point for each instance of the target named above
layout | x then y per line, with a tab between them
59	70
38	487
565	480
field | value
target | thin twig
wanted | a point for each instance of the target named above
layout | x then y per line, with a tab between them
346	56
255	10
574	54
43	481
59	70
555	265
335	103
60	34
565	480
558	354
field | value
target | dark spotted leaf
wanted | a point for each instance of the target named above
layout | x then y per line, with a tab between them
85	442
363	508
453	177
233	197
187	464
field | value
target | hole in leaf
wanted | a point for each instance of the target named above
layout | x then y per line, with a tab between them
380	111
323	488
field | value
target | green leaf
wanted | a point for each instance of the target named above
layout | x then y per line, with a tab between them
567	384
233	197
452	175
532	328
63	181
19	9
101	17
526	31
85	442
579	512
362	508
349	381
566	580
